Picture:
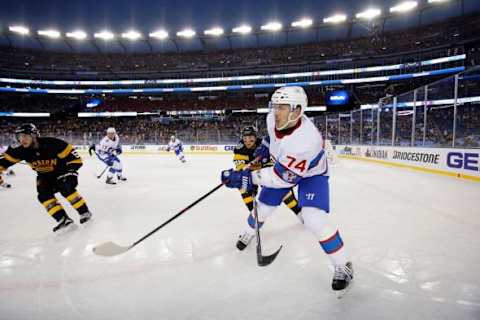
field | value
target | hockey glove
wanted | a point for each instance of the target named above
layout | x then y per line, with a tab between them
238	179
262	153
68	181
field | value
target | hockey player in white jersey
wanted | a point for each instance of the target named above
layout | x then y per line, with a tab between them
177	146
107	151
296	146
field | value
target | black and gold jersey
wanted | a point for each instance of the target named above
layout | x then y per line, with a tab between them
242	156
52	156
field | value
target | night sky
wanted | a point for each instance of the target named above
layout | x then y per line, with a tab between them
146	15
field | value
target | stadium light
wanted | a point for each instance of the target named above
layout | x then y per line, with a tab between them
243	29
303	23
159	34
404	6
104	35
337	18
131	35
19	29
214	32
77	34
272	26
50	33
369	14
186	33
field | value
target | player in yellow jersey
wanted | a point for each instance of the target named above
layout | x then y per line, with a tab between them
56	163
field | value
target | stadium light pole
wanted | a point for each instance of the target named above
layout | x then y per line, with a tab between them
303	23
211	33
214	32
369	14
186	33
78	35
242	29
160	34
403	7
130	35
369	17
15	29
19	29
273	26
335	19
49	33
106	36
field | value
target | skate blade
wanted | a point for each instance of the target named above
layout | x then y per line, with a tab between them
67	230
341	293
86	223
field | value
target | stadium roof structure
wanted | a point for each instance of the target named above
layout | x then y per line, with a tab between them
155	26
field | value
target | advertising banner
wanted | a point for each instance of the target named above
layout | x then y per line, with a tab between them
462	163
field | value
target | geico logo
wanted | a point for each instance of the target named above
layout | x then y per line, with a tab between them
138	147
460	160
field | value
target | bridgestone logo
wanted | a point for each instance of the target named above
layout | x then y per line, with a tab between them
416	157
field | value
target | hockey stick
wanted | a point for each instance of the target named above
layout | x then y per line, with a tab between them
101	174
109	249
262	260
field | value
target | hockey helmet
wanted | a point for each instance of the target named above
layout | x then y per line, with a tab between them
294	96
249	131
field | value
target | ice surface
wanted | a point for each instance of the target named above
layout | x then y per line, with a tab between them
414	240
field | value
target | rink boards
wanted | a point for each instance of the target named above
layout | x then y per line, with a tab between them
460	163
162	149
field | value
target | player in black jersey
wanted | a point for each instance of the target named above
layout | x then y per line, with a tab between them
242	157
56	163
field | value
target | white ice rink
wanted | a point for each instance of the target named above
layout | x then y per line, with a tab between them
414	239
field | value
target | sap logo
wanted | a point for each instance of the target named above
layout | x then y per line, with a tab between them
229	148
467	161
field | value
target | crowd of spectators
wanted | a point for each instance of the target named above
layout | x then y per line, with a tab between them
139	130
226	128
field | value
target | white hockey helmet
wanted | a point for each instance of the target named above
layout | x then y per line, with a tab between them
111	130
172	137
294	96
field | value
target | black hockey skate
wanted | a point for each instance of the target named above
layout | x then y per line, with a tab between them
121	178
63	224
110	181
84	217
342	277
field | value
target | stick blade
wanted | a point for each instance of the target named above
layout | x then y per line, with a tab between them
110	249
264	261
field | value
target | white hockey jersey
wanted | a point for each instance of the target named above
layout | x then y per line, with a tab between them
107	145
297	155
175	145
